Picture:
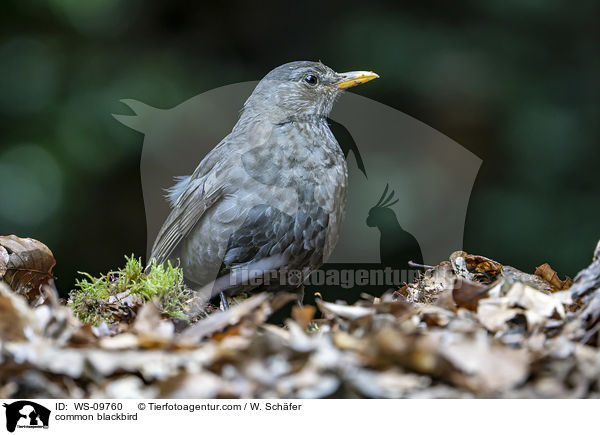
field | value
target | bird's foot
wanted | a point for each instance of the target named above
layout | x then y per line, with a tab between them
312	326
300	296
224	304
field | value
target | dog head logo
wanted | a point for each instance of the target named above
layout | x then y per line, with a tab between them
26	414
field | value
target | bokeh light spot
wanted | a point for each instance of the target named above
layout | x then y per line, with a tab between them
32	186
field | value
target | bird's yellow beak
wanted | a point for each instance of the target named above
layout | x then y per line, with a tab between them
354	78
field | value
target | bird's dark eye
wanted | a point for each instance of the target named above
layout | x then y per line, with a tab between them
311	79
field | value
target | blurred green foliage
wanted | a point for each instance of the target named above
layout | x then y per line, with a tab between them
514	81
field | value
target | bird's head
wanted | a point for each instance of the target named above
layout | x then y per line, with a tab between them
300	90
381	214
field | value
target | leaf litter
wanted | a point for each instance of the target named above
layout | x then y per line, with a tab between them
469	327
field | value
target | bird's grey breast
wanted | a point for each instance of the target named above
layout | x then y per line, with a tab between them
285	197
301	157
304	159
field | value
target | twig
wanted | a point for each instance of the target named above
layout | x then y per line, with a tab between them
424	266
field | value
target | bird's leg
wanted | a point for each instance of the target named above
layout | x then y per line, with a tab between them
224	304
312	326
300	296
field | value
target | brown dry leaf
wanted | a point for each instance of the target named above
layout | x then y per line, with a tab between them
351	312
389	384
459	265
84	336
184	386
433	282
280	299
11	326
15	315
586	291
467	294
535	302
477	267
486	367
232	331
547	273
419	354
537	307
29	265
402	292
480	264
446	300
398	308
152	330
439	278
4	259
435	316
588	279
304	315
515	275
219	320
345	341
494	313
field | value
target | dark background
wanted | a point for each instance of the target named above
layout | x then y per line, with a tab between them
514	81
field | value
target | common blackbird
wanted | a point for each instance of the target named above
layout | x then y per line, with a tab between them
265	206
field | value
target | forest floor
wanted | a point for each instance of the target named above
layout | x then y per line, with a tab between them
469	327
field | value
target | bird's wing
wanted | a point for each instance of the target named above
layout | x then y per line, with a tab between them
204	188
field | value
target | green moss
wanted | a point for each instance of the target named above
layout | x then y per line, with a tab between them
113	297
